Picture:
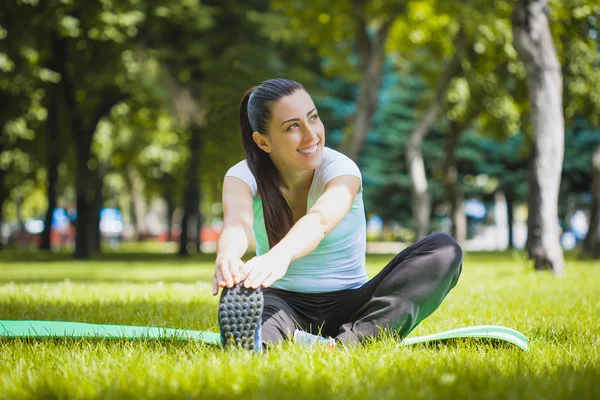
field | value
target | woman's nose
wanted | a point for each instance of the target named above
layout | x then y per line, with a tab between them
309	132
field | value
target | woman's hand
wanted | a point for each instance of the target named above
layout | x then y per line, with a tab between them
266	269
229	271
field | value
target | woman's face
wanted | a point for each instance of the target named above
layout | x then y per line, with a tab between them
296	134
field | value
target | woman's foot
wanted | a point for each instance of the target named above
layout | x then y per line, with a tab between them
308	339
240	313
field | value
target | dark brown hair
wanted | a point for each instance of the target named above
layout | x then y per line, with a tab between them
255	114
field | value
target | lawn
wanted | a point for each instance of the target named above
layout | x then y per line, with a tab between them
560	316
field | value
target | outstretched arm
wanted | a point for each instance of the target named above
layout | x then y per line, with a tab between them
306	234
236	234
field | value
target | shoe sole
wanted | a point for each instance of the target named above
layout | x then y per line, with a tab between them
240	313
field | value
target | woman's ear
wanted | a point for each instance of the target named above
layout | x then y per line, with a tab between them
262	141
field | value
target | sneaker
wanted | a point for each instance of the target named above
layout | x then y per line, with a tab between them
308	339
240	314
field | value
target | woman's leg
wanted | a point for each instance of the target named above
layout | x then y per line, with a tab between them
405	292
279	319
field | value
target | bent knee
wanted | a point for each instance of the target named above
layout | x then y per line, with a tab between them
448	251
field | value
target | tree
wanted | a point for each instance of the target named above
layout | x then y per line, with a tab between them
384	165
506	161
21	111
53	128
421	202
534	44
463	55
591	244
352	42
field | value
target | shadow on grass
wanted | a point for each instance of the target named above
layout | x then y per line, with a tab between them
461	343
15	256
194	315
564	382
167	280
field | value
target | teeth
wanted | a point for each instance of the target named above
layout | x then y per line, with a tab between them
312	151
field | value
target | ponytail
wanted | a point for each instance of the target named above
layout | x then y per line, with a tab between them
276	210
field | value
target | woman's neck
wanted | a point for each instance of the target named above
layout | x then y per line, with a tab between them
296	182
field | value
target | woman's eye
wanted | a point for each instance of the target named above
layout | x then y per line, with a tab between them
313	118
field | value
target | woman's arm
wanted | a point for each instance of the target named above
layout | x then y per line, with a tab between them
236	234
323	216
306	234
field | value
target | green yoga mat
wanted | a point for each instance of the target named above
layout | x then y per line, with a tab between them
39	329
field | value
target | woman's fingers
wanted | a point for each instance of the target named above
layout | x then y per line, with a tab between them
245	271
226	274
269	280
236	271
220	281
251	277
215	286
258	278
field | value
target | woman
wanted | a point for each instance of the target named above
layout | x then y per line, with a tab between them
302	202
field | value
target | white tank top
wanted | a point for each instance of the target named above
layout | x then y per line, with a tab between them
338	262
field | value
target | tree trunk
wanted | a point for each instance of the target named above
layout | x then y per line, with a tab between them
421	203
138	202
52	148
198	242
3	193
190	230
3	196
83	142
534	44
96	203
372	58
453	189
18	209
82	223
83	135
510	218
95	234
170	210
591	244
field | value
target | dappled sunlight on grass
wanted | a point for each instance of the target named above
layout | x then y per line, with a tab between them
560	316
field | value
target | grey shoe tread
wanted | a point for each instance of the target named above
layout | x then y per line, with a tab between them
240	313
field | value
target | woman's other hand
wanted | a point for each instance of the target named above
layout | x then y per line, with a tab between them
266	269
229	271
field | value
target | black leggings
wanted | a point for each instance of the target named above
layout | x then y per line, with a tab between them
396	300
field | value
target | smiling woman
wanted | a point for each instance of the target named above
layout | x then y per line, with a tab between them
302	204
283	138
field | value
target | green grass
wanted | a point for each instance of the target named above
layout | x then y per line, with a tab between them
560	316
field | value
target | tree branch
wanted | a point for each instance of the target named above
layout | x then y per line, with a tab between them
363	43
450	70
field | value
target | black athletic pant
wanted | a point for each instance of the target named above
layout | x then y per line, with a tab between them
396	300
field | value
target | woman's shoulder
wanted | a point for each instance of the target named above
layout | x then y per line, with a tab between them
241	165
332	154
335	164
335	159
241	170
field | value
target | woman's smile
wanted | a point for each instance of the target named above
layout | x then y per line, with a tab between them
310	151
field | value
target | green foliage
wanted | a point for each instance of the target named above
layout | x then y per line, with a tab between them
576	28
581	140
139	53
333	28
244	57
383	164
